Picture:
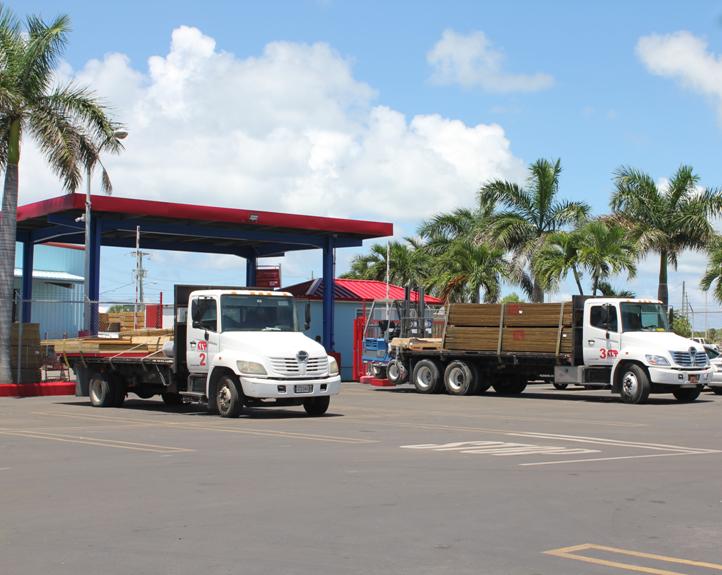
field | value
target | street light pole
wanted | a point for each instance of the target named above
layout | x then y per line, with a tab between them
88	307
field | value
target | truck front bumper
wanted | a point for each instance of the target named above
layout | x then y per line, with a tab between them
679	378
264	388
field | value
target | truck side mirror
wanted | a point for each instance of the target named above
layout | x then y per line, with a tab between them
195	311
307	316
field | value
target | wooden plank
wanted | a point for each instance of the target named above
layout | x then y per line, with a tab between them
536	315
514	339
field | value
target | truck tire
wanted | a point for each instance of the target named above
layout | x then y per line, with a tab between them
511	387
717	390
426	376
460	378
119	389
100	390
229	397
172	398
560	386
396	372
316	406
143	392
634	385
687	394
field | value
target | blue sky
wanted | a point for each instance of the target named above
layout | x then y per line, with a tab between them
603	103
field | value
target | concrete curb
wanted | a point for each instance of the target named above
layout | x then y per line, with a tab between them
36	389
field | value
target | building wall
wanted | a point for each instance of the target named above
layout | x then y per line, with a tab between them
57	306
344	314
53	259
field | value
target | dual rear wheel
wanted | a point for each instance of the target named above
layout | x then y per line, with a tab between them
457	378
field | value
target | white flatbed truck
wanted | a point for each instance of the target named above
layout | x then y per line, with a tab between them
232	347
621	344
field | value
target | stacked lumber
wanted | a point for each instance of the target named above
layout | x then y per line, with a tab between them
416	343
26	348
532	328
144	341
125	320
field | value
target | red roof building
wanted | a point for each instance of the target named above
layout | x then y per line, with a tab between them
354	290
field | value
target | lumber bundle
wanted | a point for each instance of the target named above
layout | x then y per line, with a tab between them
524	327
122	320
415	343
26	348
144	341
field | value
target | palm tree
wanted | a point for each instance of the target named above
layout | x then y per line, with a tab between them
558	257
528	215
607	290
466	270
713	273
67	122
406	266
604	249
665	220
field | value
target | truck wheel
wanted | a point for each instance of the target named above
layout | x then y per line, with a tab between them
560	386
100	391
172	398
460	378
396	372
119	388
634	385
228	397
687	394
512	387
426	376
316	406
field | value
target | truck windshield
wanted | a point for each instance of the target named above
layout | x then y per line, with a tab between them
643	317
257	313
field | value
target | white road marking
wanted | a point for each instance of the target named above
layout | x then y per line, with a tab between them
500	448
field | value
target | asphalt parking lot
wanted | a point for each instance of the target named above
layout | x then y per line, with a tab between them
388	482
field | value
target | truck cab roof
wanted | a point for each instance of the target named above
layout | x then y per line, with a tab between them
251	292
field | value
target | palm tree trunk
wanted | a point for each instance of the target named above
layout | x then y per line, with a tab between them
663	290
7	267
8	227
537	293
578	280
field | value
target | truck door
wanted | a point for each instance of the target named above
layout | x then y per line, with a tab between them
202	333
601	334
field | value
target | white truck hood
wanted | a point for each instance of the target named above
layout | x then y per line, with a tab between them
270	343
661	341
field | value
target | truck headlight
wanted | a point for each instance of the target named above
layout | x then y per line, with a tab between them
251	368
332	366
657	360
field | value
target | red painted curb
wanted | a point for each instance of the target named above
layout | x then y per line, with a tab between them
35	389
376	382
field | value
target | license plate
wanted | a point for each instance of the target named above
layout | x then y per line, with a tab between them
693	378
303	388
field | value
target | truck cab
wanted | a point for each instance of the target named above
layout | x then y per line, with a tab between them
627	344
244	347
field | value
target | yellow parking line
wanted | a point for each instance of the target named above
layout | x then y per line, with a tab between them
571	553
94	441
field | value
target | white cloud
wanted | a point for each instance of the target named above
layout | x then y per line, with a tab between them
290	129
472	61
684	57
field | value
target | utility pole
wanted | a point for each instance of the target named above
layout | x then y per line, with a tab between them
139	274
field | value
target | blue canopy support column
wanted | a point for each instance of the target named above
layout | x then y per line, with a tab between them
27	285
328	289
251	270
93	294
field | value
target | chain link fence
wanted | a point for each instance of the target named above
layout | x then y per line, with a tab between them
36	347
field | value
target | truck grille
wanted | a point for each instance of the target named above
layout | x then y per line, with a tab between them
291	367
685	359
